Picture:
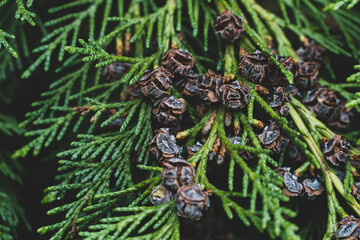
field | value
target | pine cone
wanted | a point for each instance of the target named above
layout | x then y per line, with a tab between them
115	71
294	155
291	186
154	84
177	172
178	62
324	103
191	201
234	95
348	229
160	195
342	116
313	187
169	110
257	68
194	149
277	100
312	52
208	87
132	92
336	150
289	64
271	138
229	26
188	85
307	75
163	145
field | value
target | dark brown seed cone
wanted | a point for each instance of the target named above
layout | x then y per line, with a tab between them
313	187
243	154
291	187
355	191
311	52
177	172
194	148
229	26
178	62
169	110
324	103
208	87
163	145
257	68
293	91
160	195
336	150
132	92
307	76
348	229
294	155
277	100
115	71
154	84
191	201
271	138
235	95
342	116
290	65
188	85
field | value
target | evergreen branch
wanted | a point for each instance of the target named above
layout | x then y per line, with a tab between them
60	35
341	3
4	42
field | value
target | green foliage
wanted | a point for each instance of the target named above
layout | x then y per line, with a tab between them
341	3
105	196
10	211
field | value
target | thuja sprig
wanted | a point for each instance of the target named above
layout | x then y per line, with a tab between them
97	161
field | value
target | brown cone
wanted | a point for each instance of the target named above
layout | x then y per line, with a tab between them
178	62
229	26
208	87
169	110
191	201
154	84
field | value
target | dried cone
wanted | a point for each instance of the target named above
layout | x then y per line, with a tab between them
154	84
178	62
208	87
324	103
289	64
311	52
188	85
194	149
291	186
191	201
307	75
294	155
355	191
277	100
257	68
348	229
177	172
169	110
160	195
313	187
234	95
229	26
132	92
336	150
163	145
115	71
271	138
342	116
